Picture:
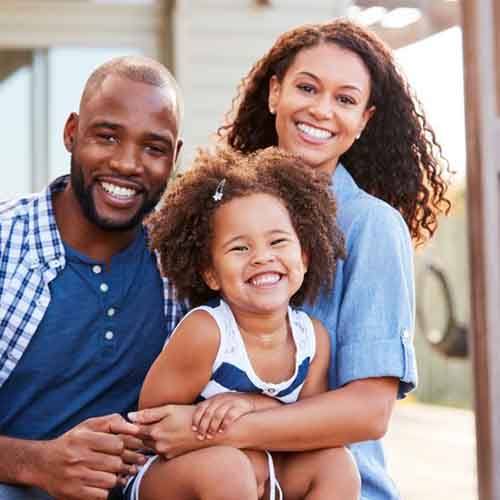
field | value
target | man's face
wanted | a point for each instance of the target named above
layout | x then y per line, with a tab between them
123	147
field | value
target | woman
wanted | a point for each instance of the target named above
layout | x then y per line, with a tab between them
332	94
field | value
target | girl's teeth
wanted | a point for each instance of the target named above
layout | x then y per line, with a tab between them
265	279
316	133
118	191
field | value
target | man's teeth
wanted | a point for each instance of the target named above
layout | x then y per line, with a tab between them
265	279
316	133
118	191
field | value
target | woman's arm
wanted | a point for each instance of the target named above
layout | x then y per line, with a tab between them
359	411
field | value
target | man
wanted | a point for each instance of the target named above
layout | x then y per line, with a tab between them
83	309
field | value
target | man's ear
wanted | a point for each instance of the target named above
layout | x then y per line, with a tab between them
210	279
70	129
178	148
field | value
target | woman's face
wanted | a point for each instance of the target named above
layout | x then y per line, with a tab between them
321	104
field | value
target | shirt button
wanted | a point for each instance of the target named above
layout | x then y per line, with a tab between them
96	269
111	312
271	390
406	334
109	335
104	287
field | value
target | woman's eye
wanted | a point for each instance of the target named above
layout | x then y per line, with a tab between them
344	99
309	89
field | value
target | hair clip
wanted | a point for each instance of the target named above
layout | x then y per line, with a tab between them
219	191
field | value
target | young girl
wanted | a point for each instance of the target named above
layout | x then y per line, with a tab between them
245	238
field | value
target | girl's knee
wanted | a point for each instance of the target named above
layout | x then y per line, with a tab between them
233	475
338	467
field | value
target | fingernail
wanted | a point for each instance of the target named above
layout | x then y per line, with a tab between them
209	436
201	437
194	428
132	415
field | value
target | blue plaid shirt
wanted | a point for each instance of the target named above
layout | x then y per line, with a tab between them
31	256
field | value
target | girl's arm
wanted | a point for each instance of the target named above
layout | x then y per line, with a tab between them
184	367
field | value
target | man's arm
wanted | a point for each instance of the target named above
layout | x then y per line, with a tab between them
83	463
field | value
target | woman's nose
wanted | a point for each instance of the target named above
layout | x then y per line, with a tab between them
322	108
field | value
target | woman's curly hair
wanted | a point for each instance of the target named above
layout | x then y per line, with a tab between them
397	158
181	230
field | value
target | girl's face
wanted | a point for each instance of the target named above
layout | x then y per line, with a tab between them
257	260
321	104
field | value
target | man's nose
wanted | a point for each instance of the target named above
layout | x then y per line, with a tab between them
126	160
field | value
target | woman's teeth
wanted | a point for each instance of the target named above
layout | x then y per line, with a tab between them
316	133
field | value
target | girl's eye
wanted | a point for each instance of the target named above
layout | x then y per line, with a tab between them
278	241
307	88
239	248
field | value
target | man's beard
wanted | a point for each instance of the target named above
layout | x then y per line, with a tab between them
84	196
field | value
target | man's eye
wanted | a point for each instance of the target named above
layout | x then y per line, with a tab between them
156	150
107	138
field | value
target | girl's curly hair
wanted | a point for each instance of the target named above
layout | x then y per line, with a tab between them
181	230
397	157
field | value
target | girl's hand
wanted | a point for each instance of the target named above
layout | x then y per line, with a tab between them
219	412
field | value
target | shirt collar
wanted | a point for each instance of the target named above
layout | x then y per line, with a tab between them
343	185
45	241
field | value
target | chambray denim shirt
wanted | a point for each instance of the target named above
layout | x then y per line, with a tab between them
369	312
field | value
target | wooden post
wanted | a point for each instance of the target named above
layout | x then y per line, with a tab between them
481	25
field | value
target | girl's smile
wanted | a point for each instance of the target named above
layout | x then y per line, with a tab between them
257	260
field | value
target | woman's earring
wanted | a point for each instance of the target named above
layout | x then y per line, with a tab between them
359	135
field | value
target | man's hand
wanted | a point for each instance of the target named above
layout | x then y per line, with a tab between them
168	429
219	412
88	460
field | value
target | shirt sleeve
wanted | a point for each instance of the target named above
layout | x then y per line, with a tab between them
376	314
175	309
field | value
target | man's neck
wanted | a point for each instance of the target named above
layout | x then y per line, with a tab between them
83	235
